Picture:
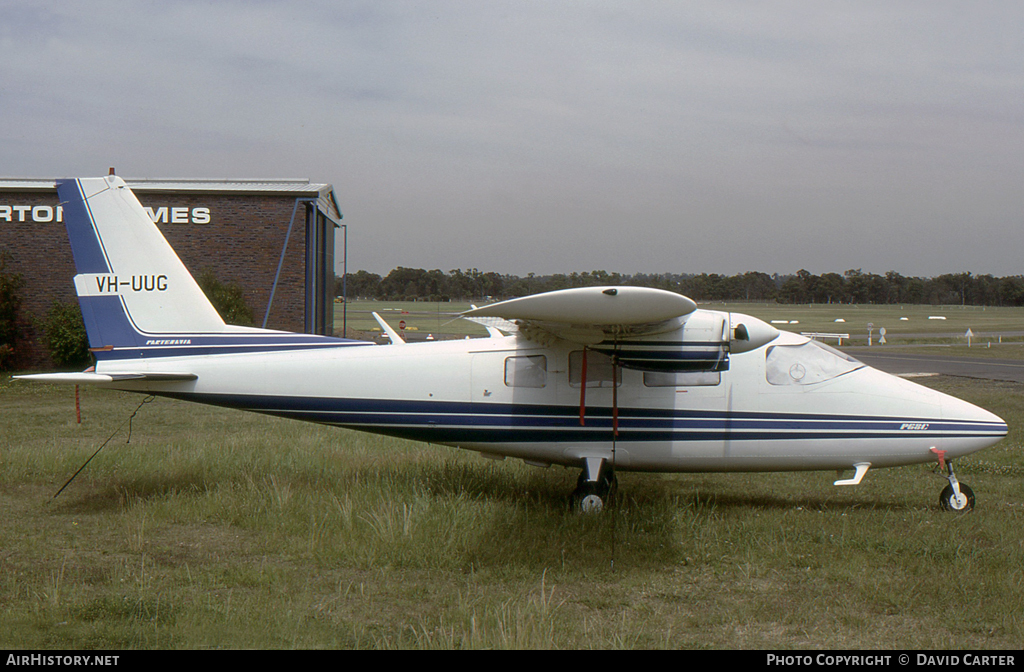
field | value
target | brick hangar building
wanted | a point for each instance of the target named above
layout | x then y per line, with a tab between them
274	238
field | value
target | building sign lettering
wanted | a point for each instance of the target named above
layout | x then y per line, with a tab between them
49	213
177	215
31	213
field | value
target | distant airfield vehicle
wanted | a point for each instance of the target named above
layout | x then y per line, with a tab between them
600	378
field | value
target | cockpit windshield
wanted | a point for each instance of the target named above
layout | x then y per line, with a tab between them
807	363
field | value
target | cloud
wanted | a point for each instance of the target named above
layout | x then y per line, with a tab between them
557	136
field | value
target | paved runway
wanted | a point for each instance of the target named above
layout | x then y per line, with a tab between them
991	369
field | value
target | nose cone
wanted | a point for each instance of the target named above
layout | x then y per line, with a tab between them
926	419
954	408
983	427
962	427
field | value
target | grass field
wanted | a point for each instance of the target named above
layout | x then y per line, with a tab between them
214	528
421	318
437	318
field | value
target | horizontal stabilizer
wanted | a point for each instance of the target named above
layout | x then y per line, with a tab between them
87	378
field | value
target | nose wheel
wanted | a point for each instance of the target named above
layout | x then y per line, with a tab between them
951	500
956	496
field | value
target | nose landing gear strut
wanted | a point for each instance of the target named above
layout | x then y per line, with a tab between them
956	496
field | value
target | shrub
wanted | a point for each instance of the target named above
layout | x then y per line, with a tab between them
65	335
10	304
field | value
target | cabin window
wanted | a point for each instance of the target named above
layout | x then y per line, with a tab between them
806	364
600	370
681	378
528	371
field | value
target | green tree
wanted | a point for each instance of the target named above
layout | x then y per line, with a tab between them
359	285
403	284
830	288
228	299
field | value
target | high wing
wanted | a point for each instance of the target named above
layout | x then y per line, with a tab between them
642	327
583	314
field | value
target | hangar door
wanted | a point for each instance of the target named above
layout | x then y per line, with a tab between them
319	272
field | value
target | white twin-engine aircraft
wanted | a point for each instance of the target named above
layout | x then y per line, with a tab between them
601	378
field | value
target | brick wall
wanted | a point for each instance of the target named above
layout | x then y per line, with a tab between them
241	243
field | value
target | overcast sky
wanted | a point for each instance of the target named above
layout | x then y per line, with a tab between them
558	136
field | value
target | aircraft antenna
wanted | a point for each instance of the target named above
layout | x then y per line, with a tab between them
128	422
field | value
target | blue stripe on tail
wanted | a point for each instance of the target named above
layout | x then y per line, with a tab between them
105	317
85	243
107	324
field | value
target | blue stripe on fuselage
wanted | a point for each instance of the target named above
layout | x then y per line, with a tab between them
474	422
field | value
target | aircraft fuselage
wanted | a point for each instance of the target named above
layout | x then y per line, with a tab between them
510	397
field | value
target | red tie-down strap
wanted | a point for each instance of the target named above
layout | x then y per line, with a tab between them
583	387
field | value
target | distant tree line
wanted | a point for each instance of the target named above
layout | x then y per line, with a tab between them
853	286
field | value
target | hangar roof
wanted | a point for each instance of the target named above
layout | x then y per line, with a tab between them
324	193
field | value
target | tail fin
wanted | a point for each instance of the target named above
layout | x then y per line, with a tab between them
131	285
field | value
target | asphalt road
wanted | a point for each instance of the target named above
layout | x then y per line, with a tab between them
991	369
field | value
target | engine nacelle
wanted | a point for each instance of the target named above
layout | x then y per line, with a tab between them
702	343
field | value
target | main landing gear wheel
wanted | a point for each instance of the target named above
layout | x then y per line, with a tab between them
949	501
592	496
591	502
